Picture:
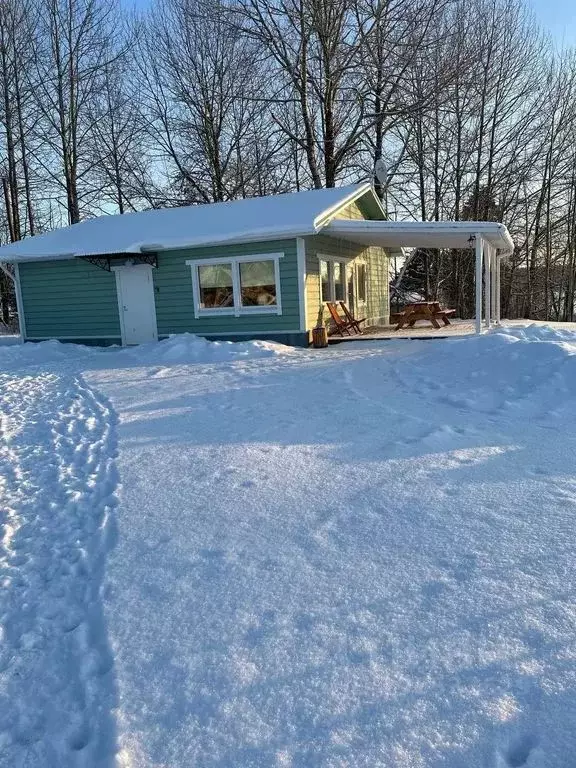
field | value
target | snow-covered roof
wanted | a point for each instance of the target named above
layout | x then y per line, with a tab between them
422	234
254	219
258	218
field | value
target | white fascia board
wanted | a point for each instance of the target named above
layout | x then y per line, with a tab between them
324	218
378	202
400	232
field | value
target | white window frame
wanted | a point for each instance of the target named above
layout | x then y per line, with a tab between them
330	260
237	310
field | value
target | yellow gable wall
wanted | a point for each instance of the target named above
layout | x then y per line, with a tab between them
351	211
377	266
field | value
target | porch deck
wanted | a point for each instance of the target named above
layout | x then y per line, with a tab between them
456	328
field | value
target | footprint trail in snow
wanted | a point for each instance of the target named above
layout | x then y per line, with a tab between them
57	496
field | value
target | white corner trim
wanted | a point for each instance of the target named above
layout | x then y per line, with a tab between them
301	263
19	303
237	310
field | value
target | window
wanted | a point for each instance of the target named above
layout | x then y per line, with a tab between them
215	285
333	280
325	281
236	286
361	277
257	284
339	271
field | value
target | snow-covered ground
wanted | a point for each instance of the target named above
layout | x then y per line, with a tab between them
250	555
8	338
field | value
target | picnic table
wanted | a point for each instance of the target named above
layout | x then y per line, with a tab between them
423	310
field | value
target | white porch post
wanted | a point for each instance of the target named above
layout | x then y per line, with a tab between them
479	249
488	285
498	278
495	285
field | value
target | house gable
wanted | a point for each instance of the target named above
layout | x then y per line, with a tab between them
365	208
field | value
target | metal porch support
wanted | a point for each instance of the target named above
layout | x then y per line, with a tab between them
478	281
488	286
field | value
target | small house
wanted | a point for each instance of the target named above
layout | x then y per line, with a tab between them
252	268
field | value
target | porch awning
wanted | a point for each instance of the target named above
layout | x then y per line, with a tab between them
423	234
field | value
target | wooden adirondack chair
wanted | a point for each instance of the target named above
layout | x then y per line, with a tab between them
340	324
351	319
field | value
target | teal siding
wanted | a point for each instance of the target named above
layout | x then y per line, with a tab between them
175	302
69	298
75	299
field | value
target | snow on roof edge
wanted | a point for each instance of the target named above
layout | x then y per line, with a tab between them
295	228
173	244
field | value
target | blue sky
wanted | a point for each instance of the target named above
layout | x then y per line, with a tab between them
559	16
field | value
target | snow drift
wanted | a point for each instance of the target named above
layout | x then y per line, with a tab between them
180	348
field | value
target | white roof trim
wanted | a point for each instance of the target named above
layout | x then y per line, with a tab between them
321	220
422	234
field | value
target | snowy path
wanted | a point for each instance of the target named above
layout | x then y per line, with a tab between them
358	557
57	483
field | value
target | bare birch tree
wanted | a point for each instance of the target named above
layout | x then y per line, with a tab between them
75	43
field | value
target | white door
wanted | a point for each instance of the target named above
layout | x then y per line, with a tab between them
136	304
